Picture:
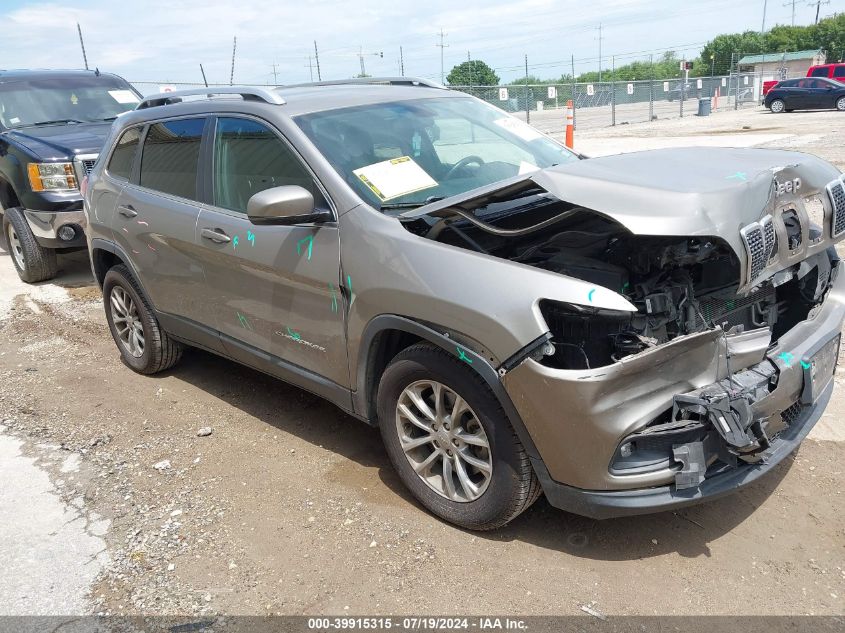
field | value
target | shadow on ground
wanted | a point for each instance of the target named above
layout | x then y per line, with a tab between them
687	532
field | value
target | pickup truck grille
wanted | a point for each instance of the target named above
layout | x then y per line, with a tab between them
87	166
83	164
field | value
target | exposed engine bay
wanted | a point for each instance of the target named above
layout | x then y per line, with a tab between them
679	285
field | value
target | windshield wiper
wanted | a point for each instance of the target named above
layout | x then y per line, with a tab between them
411	205
53	122
108	118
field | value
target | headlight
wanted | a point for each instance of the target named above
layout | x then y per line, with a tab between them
52	177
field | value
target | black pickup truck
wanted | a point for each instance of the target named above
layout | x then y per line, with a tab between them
52	126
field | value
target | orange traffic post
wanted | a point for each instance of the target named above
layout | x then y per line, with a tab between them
570	125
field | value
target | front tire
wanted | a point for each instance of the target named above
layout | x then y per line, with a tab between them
777	106
451	442
144	346
840	104
32	261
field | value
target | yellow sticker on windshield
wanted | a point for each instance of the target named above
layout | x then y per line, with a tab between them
74	99
394	178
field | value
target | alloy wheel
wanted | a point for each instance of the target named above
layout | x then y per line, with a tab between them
840	105
127	323
444	441
16	247
777	106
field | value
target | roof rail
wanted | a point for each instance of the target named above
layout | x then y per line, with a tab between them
246	92
384	81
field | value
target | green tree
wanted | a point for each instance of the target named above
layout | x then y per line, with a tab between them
472	73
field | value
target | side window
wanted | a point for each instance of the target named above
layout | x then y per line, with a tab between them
839	71
120	163
170	156
819	72
248	158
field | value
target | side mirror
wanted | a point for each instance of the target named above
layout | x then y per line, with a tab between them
290	204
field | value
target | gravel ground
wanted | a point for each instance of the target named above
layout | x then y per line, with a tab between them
288	506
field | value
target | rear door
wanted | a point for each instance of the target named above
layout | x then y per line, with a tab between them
274	289
156	218
839	73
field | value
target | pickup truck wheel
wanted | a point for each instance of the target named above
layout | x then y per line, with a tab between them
32	261
450	441
143	344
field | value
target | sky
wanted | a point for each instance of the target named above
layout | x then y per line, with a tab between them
164	41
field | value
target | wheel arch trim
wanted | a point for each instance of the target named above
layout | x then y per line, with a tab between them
478	363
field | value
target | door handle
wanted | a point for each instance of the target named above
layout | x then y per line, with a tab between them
215	236
127	211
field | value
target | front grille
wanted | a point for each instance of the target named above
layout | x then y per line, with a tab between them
792	413
836	191
732	310
759	238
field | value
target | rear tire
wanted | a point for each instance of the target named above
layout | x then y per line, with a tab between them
32	261
490	478
144	346
777	106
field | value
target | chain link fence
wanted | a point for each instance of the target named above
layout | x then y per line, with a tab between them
621	102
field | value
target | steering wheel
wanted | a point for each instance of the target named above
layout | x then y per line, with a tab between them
466	160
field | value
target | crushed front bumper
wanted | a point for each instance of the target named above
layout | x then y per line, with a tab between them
578	419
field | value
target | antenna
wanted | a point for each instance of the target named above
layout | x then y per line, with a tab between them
442	48
232	73
82	44
204	80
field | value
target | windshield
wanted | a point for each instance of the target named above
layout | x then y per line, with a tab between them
407	153
70	99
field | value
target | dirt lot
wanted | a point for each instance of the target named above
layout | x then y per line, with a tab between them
291	507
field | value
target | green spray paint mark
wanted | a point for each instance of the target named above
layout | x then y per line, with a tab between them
590	295
250	236
349	287
625	286
462	356
806	365
235	241
296	336
740	175
244	321
787	358
310	240
334	298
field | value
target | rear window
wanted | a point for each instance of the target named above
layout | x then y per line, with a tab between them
170	157
839	71
120	164
819	72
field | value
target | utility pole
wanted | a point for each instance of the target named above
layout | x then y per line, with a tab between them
311	69
82	44
361	59
204	80
401	63
275	76
818	4
442	46
232	73
763	28
469	67
317	60
600	39
793	10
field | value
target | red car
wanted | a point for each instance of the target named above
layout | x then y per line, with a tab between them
836	72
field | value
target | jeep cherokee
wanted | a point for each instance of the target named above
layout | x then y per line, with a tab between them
624	334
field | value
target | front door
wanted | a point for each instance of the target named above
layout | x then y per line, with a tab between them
274	289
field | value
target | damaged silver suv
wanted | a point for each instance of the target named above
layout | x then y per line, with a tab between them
625	334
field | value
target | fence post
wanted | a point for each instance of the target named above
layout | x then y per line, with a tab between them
613	92
651	89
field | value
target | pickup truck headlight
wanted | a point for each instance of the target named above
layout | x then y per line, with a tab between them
52	177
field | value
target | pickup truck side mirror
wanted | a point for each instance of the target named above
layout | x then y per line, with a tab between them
284	206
